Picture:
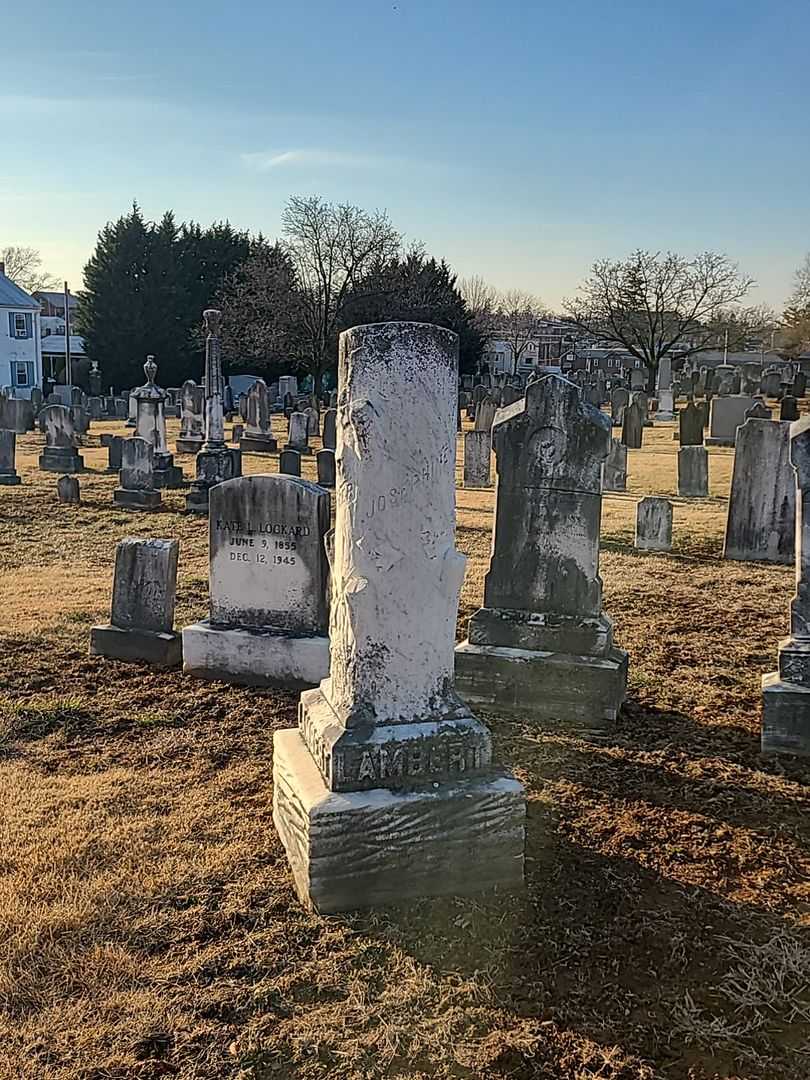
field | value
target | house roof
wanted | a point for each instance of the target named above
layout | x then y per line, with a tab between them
55	344
12	295
56	298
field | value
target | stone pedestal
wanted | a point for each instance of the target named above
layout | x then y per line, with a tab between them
61	459
128	499
190	445
387	790
253	657
167	474
786	692
213	467
161	650
375	847
541	644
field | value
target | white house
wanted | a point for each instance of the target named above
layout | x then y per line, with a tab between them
20	342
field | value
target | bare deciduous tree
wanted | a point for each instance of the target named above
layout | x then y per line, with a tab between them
796	319
653	303
332	248
480	298
24	267
516	320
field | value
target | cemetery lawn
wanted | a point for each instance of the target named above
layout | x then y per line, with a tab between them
148	924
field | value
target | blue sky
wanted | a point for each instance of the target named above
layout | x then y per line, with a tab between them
519	140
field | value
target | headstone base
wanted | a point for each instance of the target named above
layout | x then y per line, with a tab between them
368	848
785	716
257	444
171	476
159	650
188	446
213	467
574	690
9	479
298	449
254	657
709	441
136	500
61	460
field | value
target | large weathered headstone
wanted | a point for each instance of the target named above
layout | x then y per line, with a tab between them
268	572
619	400
298	433
725	416
258	437
8	448
654	524
60	453
141	625
115	446
485	413
329	436
216	462
387	790
614	471
690	424
633	425
192	418
541	643
789	408
786	692
289	463
693	472
477	458
150	425
762	504
136	483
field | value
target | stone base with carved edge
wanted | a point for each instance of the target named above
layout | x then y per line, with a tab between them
358	849
786	701
258	444
61	459
162	650
254	657
189	445
136	500
299	449
212	467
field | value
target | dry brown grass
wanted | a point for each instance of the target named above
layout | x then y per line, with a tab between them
149	927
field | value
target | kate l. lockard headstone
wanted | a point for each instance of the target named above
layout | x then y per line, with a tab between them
387	789
267	583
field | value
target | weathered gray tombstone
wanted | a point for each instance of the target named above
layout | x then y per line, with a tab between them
758	411
762	505
37	399
114	450
387	790
121	409
633	425
690	424
216	462
141	625
542	644
614	471
268	617
325	462
509	395
68	491
329	437
81	419
287	384
258	437
771	381
150	425
786	692
619	400
289	463
237	431
693	472
95	408
298	433
653	524
60	453
799	384
789	408
477	459
192	418
725	416
136	482
17	415
8	450
485	414
132	410
313	421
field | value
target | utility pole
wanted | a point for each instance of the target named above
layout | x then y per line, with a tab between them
68	363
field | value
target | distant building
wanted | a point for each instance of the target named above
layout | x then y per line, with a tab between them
20	338
551	340
52	305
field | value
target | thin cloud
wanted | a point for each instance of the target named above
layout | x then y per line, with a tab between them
266	161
